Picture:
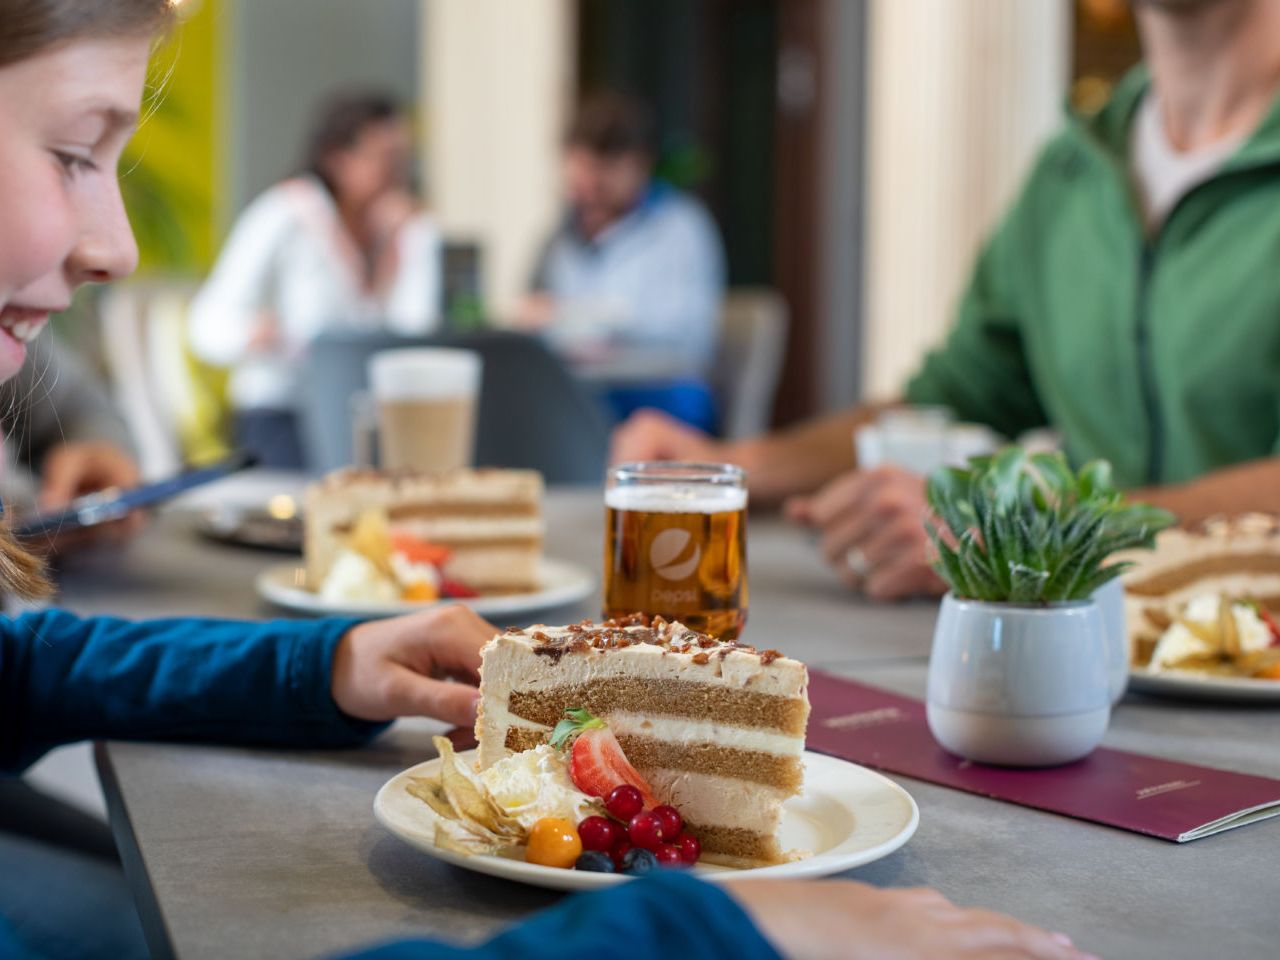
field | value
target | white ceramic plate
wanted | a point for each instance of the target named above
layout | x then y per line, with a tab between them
561	583
1199	686
847	816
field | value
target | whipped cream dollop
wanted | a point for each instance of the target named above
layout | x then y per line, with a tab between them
534	784
407	572
354	577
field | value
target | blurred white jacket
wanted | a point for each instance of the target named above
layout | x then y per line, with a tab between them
289	257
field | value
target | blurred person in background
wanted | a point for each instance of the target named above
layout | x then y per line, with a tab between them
1130	299
635	265
62	439
345	245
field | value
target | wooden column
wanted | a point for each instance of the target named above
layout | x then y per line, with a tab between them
961	95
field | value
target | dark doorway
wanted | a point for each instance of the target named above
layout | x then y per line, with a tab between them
735	130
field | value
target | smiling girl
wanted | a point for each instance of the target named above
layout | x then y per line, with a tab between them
71	80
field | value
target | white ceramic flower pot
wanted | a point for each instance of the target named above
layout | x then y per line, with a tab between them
1110	600
1023	686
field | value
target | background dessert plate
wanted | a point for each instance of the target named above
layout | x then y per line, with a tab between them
1200	686
561	583
256	527
847	816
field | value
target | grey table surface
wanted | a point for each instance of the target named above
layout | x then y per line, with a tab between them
257	853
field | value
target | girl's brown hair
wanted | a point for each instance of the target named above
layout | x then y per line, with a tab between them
29	27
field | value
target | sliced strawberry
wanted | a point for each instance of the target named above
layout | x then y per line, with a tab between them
596	761
419	551
456	589
1265	615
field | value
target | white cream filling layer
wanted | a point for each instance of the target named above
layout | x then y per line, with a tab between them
679	729
685	730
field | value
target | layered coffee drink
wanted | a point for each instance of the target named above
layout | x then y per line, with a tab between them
426	406
676	545
427	435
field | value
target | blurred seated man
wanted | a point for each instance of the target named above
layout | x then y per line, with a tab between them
344	245
635	269
62	439
1130	299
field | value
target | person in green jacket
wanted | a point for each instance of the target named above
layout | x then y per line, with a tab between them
1130	299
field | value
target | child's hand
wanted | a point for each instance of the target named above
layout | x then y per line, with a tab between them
402	667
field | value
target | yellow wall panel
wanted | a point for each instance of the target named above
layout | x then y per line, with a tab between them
171	174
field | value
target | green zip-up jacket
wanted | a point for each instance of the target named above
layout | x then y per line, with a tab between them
1160	353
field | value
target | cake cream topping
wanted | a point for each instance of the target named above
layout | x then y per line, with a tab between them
636	629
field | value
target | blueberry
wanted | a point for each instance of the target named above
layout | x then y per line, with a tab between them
638	861
593	861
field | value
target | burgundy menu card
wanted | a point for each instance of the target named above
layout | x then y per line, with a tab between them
1162	798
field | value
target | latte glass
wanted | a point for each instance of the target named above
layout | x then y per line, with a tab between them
426	407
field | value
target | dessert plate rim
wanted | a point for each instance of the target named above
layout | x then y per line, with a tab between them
563	583
829	779
1196	686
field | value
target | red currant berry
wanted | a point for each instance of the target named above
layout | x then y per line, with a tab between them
597	833
672	822
645	830
669	856
690	848
624	802
619	851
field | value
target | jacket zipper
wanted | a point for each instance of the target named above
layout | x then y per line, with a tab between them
1146	367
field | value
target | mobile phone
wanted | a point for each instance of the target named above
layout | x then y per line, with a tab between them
108	505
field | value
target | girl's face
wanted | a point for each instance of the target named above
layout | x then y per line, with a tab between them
65	116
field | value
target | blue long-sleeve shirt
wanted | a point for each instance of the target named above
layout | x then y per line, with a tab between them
64	679
661	916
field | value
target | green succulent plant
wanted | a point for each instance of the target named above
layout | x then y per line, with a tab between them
1024	528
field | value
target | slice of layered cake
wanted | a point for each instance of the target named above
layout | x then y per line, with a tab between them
487	523
717	729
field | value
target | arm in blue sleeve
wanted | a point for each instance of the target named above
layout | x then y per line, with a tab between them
659	917
64	679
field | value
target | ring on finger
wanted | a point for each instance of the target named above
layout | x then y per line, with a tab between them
856	561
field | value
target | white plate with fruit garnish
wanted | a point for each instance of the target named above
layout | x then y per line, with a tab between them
524	819
560	583
377	571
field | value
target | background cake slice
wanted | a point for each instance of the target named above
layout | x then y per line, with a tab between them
1233	557
716	728
490	520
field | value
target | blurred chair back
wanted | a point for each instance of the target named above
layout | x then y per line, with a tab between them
753	333
532	413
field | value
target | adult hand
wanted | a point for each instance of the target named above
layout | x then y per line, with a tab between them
652	435
534	312
389	212
264	335
843	920
872	524
385	669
